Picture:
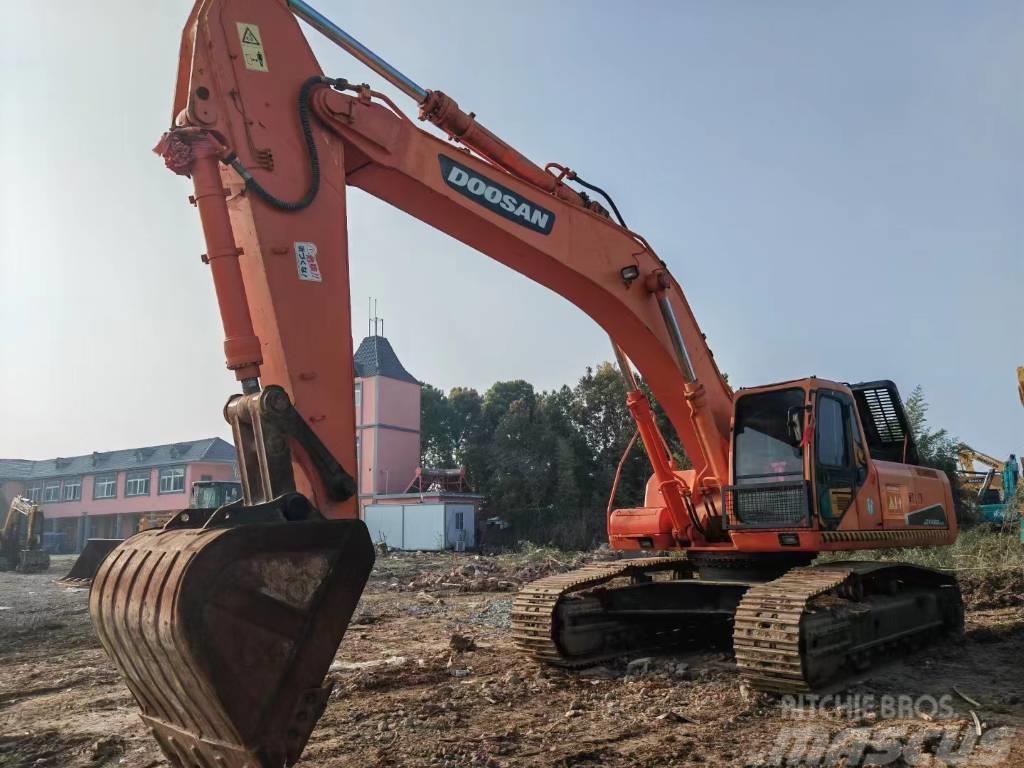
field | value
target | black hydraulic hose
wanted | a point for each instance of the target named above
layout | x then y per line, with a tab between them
314	160
605	195
692	513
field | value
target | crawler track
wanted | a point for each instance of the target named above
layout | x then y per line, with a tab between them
766	634
814	626
807	629
538	625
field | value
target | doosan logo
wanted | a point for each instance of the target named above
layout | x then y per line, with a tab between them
495	197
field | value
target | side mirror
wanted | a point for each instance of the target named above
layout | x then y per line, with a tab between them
795	423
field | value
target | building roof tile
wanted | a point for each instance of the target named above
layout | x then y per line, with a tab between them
209	449
376	357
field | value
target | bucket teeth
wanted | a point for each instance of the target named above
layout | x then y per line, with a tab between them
224	636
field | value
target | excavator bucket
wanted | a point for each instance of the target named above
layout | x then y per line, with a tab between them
85	567
225	635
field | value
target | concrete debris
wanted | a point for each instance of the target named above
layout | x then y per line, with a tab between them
357	666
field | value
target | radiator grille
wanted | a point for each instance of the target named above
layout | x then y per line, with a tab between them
768	505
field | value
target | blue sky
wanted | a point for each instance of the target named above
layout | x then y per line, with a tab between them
836	185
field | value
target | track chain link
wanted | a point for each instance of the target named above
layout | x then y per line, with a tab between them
766	633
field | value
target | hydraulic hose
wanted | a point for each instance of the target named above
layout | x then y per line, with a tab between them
251	184
605	195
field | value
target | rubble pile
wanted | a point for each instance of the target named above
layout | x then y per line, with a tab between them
481	574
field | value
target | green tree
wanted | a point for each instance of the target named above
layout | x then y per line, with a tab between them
437	420
464	406
522	458
500	398
937	449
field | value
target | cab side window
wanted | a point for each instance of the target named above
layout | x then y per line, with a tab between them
832	436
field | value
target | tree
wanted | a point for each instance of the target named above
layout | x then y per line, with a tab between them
464	406
500	398
936	448
522	458
437	444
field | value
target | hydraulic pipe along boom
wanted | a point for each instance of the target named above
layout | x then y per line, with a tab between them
343	39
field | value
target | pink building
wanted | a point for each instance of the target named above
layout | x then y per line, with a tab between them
106	494
387	420
403	506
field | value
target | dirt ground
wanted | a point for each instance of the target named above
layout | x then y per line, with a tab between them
428	676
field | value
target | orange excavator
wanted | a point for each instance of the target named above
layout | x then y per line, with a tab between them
224	622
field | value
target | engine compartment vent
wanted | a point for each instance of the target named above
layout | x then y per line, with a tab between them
885	422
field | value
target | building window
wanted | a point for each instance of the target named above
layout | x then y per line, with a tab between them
206	477
136	484
35	493
172	480
73	489
52	491
104	487
359	402
459	521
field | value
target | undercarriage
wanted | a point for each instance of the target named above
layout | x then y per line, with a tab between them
792	629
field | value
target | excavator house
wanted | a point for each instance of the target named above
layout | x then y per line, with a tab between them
224	621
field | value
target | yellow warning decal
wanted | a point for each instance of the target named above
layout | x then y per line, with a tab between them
893	501
252	47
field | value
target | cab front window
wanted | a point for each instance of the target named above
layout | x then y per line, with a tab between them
768	437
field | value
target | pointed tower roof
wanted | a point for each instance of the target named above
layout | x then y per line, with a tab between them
376	357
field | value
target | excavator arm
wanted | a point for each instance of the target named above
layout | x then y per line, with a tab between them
272	128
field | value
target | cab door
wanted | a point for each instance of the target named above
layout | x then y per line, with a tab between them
840	464
868	498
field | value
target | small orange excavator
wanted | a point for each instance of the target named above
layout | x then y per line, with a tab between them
225	621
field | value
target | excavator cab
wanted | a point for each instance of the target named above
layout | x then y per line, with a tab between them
210	494
824	457
807	438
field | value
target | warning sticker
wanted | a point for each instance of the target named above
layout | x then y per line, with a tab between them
893	501
252	47
306	263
